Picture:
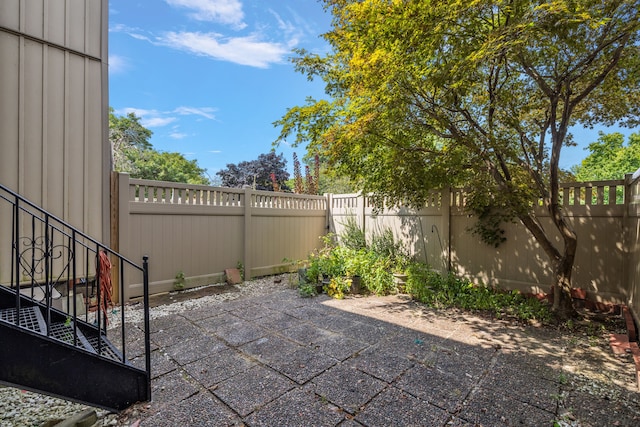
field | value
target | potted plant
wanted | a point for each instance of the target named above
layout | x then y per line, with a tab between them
400	264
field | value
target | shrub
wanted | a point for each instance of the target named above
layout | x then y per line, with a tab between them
352	236
338	287
436	290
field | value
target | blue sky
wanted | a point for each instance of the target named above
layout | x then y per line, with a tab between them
209	77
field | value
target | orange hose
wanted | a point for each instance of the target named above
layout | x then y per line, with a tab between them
106	288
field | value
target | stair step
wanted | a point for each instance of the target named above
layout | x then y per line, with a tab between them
106	348
64	332
30	318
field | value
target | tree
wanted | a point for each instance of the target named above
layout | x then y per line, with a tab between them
609	158
328	179
133	153
173	167
128	138
425	94
257	173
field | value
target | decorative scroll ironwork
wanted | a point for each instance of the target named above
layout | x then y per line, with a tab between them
47	252
37	260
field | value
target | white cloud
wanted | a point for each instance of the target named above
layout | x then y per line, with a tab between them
206	112
240	50
215	151
155	122
155	118
178	135
136	33
291	31
138	112
227	12
117	64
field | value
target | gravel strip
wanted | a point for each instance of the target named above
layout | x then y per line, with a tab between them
19	408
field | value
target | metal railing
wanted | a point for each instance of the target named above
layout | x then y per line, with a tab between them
69	275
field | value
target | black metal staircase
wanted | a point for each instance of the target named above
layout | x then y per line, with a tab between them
55	308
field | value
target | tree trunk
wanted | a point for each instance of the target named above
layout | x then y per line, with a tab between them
562	301
562	264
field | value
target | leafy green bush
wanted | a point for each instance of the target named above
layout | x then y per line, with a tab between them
431	288
352	236
384	245
307	290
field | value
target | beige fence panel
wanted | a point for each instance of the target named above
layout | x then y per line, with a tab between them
203	230
632	243
440	235
420	231
520	263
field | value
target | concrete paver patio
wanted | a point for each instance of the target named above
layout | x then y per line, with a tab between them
282	360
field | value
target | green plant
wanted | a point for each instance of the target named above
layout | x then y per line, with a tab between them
562	378
376	275
434	289
313	268
307	290
240	267
352	236
384	245
179	282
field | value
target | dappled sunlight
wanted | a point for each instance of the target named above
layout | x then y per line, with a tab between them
556	353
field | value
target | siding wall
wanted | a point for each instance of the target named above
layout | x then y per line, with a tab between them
53	110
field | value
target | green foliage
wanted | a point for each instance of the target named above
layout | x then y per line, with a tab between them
240	267
133	153
307	290
609	158
179	282
333	182
488	225
127	131
338	287
430	94
374	263
173	167
384	245
431	288
377	276
352	236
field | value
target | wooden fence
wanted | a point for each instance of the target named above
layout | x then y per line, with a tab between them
439	234
201	231
631	244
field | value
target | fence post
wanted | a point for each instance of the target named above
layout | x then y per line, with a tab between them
114	235
446	227
123	222
363	211
248	203
626	235
329	212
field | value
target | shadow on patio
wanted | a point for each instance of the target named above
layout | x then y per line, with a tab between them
281	360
